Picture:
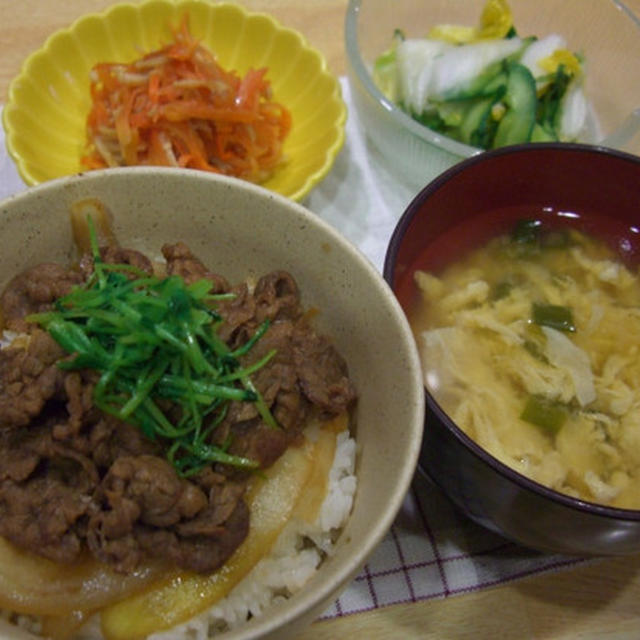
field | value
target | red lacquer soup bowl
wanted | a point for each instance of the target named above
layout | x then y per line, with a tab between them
592	189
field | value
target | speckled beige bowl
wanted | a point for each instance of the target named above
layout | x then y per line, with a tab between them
240	229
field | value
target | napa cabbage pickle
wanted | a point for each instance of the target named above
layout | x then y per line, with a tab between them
486	85
384	69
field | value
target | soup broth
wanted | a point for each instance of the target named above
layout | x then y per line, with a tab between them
530	343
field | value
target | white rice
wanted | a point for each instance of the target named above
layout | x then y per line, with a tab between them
298	552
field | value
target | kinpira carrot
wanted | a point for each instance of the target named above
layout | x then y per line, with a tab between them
177	106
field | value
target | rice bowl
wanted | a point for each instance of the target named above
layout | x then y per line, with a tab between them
298	241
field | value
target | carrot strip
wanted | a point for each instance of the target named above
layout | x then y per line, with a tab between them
177	106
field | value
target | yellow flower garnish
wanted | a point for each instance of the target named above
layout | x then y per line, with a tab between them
495	22
559	57
498	110
453	33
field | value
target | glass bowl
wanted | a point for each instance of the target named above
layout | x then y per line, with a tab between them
49	100
606	32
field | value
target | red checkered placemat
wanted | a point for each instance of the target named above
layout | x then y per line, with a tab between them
433	552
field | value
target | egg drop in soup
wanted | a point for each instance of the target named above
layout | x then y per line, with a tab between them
530	344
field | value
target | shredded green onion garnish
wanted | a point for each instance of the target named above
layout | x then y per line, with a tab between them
155	343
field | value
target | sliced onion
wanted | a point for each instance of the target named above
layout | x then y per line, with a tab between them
80	211
34	585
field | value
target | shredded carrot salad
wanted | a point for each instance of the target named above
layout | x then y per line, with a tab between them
178	107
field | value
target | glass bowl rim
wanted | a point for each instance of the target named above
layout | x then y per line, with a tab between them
357	65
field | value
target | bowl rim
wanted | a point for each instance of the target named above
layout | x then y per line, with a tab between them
294	610
508	473
307	182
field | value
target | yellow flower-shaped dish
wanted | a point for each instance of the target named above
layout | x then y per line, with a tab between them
45	116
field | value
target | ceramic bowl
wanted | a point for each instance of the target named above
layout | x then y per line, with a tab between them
49	100
218	220
607	33
589	188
